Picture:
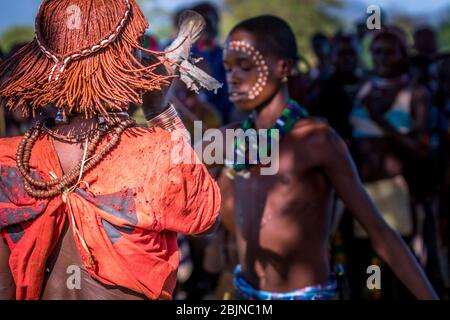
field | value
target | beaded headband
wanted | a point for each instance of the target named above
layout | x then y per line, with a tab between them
257	57
61	62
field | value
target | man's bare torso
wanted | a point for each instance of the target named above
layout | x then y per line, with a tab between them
282	221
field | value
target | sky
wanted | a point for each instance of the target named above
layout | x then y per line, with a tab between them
432	11
413	7
22	12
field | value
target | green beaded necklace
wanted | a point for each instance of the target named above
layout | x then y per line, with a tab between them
284	124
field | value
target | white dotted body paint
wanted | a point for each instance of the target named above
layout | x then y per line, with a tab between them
257	57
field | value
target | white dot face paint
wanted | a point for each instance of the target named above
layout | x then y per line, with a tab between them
258	59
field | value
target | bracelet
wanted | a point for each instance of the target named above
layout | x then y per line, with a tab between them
170	121
150	115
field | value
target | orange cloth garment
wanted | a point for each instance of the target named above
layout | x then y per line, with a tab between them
128	210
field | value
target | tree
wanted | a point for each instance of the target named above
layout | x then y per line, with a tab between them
15	35
444	35
159	18
306	17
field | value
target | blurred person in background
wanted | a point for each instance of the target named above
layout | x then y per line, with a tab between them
340	88
443	102
425	49
213	110
390	138
322	49
209	48
319	72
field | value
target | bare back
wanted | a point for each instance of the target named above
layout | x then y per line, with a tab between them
61	263
66	254
64	264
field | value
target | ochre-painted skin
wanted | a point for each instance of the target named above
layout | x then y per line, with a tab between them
56	276
67	253
7	288
55	286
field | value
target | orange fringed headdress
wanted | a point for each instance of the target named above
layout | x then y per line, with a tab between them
89	68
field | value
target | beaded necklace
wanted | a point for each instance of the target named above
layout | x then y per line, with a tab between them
284	124
51	188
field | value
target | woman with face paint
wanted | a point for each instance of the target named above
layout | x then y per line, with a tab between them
283	219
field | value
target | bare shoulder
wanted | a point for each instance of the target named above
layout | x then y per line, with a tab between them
317	141
313	131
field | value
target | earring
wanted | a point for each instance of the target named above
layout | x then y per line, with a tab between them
61	117
285	79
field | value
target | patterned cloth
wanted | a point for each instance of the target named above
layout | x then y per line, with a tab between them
128	213
399	115
245	291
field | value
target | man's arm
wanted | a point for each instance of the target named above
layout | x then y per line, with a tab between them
331	153
7	286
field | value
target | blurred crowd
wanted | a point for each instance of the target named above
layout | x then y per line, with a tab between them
408	82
